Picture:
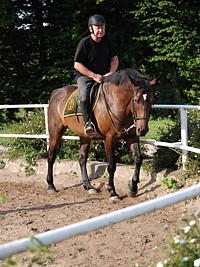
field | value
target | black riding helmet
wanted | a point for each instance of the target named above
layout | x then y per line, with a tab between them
96	20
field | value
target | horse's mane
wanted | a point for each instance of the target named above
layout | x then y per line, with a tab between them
123	76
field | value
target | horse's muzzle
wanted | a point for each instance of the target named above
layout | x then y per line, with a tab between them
140	131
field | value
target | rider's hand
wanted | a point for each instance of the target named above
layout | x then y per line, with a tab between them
98	78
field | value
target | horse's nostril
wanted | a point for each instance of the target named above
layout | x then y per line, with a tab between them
141	131
138	132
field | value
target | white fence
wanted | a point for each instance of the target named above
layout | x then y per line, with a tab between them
182	144
61	234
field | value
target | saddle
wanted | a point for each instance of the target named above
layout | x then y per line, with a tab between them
72	107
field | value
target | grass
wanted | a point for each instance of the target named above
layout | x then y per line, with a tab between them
155	125
9	128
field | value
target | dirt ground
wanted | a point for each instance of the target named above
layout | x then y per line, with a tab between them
29	209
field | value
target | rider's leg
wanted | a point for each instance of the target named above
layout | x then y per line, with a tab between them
85	84
86	112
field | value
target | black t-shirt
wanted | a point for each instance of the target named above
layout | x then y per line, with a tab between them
95	56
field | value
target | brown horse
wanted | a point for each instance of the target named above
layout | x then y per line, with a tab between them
121	113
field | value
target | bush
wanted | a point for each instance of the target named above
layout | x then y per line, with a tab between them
33	123
193	163
165	157
169	182
170	158
69	149
183	248
30	149
33	149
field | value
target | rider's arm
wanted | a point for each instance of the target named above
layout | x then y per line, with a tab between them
113	65
85	71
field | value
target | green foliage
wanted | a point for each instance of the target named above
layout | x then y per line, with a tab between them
2	164
165	157
29	149
161	38
97	151
2	198
8	262
40	256
183	247
155	126
193	163
165	130
70	149
171	42
33	149
169	182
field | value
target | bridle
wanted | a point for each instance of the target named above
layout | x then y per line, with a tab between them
134	116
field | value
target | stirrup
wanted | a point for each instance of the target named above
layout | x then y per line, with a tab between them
89	128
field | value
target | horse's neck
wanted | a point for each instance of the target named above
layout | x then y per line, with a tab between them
120	94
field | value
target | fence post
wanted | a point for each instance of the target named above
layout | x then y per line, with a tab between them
184	135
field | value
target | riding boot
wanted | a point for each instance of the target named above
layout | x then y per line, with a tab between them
86	110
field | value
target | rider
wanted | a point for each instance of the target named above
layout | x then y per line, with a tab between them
94	59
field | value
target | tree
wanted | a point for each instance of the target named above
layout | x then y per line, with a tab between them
39	38
170	37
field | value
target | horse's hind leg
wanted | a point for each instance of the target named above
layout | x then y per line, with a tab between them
83	155
55	135
133	183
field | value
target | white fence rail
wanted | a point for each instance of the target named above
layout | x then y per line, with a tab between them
63	233
183	144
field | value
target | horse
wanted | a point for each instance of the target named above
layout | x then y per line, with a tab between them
121	112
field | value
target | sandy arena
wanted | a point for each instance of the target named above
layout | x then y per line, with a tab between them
29	209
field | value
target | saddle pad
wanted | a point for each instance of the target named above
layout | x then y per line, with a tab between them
72	108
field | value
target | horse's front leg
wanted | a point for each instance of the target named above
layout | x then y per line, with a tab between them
133	183
83	155
109	149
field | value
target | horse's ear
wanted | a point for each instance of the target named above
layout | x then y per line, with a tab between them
134	81
153	82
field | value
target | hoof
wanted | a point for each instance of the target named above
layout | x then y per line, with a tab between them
114	199
131	193
52	189
92	191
